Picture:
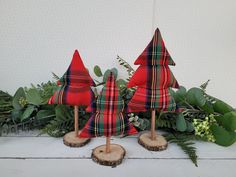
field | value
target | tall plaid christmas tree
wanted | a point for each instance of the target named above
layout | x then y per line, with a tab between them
153	79
74	89
108	120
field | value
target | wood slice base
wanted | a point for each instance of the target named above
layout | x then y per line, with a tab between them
112	158
70	139
158	144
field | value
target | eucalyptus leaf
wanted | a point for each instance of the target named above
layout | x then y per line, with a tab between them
222	136
42	114
33	97
121	82
228	121
97	71
190	127
222	107
16	115
180	94
27	113
172	93
181	123
106	74
195	97
20	93
115	72
208	107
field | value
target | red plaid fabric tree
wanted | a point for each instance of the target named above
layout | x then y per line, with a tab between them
74	86
153	79
74	89
108	120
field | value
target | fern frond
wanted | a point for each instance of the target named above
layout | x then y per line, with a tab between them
62	123
185	143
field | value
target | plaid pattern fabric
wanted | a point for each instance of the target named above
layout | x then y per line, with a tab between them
76	74
93	106
74	86
155	53
162	76
72	95
153	79
108	119
145	99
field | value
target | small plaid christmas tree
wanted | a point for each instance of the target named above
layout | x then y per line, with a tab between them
74	86
108	120
74	89
153	79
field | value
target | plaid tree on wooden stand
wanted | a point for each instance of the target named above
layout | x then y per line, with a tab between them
153	79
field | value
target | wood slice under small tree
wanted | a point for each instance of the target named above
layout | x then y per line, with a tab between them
113	158
70	139
158	144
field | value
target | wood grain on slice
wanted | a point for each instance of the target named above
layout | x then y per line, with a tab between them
70	139
113	158
158	144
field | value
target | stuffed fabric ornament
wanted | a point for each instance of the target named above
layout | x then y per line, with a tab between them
153	79
108	120
74	85
74	89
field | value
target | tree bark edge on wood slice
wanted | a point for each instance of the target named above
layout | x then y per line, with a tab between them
159	144
113	158
71	140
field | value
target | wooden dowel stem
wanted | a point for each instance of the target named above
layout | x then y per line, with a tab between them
76	117
153	124
108	148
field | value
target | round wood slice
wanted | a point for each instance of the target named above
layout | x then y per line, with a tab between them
158	144
112	158
70	139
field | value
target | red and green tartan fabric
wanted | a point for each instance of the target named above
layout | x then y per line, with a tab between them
76	74
162	76
74	87
145	99
108	120
153	78
155	53
72	95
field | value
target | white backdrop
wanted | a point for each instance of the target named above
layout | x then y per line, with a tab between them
38	37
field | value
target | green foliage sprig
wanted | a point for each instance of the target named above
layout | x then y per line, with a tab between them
185	143
125	64
202	128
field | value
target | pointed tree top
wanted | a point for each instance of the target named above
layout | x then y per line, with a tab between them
74	86
110	100
76	73
155	53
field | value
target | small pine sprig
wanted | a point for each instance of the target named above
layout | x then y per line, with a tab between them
124	63
56	77
204	85
185	143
